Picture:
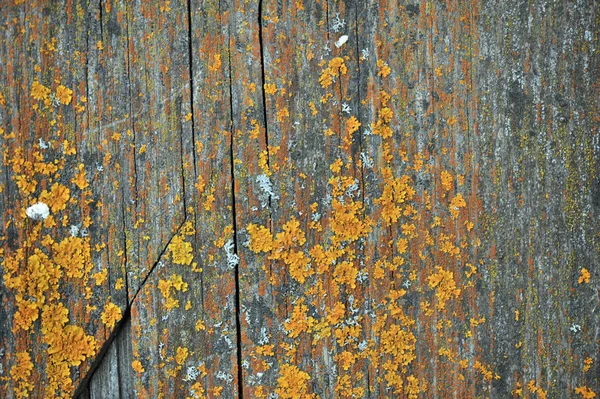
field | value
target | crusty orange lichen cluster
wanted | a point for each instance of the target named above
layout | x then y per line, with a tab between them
52	257
330	259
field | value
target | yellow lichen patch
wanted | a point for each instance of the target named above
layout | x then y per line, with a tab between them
175	282
255	129
347	223
298	265
136	365
54	318
216	64
533	388
270	88
336	67
73	255
396	192
487	373
584	277
181	251
457	202
111	314
299	322
585	392
412	388
100	277
57	198
352	125
383	68
71	345
20	373
200	325
79	180
64	94
261	239
181	355
263	162
399	343
587	363
346	273
39	91
447	180
293	383
443	282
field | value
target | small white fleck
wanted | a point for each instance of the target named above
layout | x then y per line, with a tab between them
575	328
346	108
38	211
338	23
74	230
43	144
341	41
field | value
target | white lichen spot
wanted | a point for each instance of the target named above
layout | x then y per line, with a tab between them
74	230
341	41
232	258
43	144
338	23
346	108
366	160
38	211
265	185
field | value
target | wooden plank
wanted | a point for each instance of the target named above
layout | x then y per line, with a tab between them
106	376
299	198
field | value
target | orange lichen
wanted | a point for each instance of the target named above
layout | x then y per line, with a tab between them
336	67
457	202
585	392
447	180
383	68
584	277
293	383
261	239
20	373
181	355
72	254
79	180
111	314
299	322
136	365
64	94
270	88
443	282
587	363
174	282
181	251
39	91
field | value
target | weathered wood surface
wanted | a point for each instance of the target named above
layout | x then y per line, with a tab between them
239	207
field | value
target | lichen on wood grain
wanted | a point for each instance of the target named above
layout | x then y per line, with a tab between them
299	199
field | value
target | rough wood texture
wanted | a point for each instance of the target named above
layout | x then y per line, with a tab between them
244	205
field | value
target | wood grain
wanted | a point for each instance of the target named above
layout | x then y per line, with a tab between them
300	199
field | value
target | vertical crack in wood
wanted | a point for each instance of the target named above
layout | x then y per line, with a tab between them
191	73
101	25
238	318
264	96
132	117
